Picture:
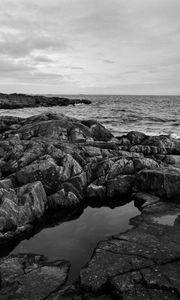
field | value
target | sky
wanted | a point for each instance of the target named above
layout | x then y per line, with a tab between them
90	46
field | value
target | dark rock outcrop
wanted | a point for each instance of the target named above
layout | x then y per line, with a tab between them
20	207
164	182
14	101
52	162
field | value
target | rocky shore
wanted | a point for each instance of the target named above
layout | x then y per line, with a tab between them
52	162
15	101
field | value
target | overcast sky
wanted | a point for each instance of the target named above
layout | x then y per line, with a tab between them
90	46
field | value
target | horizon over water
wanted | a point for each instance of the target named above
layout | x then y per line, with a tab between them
151	114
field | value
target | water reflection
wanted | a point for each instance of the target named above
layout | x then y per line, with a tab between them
75	240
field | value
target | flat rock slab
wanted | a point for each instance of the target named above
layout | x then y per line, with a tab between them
27	276
143	263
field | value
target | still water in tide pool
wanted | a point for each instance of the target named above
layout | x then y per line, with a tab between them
75	240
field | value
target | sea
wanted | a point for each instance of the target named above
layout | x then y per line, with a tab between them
153	115
76	238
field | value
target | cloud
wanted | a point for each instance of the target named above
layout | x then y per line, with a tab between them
19	44
42	59
84	45
108	61
10	66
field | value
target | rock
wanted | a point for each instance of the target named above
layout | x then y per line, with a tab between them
29	276
150	145
92	151
100	133
172	159
144	199
45	170
144	163
142	263
73	292
63	199
55	162
121	167
49	171
14	101
164	183
32	200
162	142
136	138
148	149
76	161
77	135
177	147
21	207
125	142
6	184
8	210
120	186
96	192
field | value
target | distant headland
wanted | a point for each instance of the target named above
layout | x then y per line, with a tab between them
15	101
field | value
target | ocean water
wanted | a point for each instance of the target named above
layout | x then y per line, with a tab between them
121	114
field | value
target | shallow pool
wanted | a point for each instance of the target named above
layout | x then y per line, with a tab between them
75	240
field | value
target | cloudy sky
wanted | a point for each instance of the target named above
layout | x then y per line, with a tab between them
90	46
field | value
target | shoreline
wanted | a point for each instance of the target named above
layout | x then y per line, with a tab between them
52	162
16	101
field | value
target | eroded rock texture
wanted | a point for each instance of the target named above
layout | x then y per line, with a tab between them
31	277
52	162
143	263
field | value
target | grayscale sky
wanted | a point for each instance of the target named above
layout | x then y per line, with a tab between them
90	46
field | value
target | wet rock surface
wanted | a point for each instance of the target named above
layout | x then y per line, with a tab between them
143	263
52	162
14	101
27	276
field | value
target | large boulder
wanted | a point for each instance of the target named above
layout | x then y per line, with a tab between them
144	163
96	193
120	186
164	182
98	131
45	170
20	207
122	166
136	137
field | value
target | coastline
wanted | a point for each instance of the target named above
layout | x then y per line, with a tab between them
16	101
52	162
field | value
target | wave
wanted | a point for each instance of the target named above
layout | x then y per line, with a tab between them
150	114
175	136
